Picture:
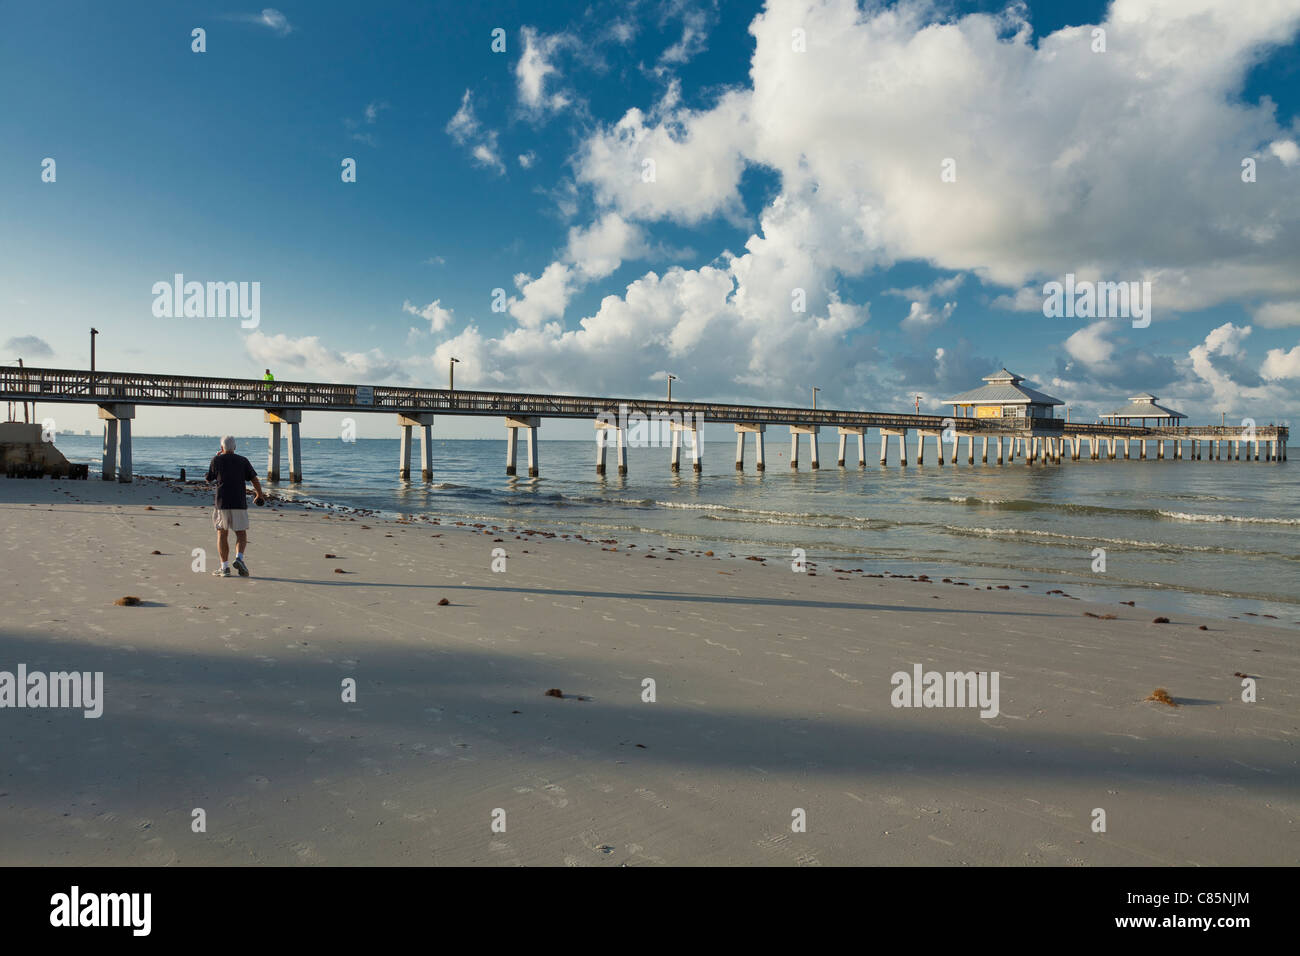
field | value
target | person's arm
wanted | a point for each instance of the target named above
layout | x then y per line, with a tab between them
212	471
250	475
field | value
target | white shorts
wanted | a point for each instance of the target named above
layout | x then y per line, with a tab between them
228	519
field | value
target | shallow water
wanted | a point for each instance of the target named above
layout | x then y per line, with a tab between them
1216	538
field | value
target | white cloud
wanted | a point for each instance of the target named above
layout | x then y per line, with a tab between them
465	128
307	355
1277	315
1028	299
534	67
1285	150
439	318
858	126
527	159
696	159
1279	364
694	39
601	248
543	298
921	315
272	19
1089	344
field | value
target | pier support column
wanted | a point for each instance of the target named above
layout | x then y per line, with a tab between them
920	448
999	450
984	450
1127	449
273	452
811	431
1256	449
513	424
970	449
295	452
741	431
691	429
622	450
1110	447
1178	449
601	428
861	433
403	452
117	441
424	421
1235	453
885	435
276	417
759	463
1160	450
1142	449
740	450
110	448
902	448
675	459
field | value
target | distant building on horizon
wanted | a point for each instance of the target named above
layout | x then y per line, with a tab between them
1142	407
1003	397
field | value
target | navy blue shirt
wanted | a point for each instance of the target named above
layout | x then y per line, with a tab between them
230	472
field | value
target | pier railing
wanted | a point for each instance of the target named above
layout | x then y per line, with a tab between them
142	388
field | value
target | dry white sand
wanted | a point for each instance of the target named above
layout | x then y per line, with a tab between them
773	693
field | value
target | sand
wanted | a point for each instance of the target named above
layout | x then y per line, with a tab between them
773	694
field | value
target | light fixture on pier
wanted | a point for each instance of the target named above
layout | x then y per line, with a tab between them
671	379
815	390
451	375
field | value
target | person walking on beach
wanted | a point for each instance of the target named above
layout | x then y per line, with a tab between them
230	507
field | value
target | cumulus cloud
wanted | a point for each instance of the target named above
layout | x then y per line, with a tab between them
1280	364
309	358
592	253
439	318
464	127
1286	150
921	315
673	163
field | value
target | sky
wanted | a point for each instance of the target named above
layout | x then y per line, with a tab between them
758	198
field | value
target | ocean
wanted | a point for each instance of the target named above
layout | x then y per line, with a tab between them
1215	538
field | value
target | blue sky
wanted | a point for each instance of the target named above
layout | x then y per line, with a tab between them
777	170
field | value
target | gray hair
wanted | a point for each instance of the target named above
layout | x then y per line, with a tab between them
227	442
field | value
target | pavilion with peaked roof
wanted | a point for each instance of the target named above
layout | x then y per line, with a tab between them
1141	407
1003	397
